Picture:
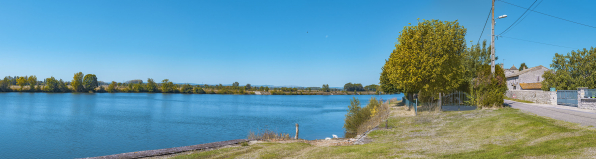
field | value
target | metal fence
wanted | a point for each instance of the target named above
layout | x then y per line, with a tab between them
456	101
590	93
567	97
453	101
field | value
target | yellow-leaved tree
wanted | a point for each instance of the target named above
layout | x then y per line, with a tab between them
427	58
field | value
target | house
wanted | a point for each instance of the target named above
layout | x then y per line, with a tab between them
510	71
528	79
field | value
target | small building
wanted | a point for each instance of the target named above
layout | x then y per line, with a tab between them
510	71
528	79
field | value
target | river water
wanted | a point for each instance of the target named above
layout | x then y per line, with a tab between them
76	125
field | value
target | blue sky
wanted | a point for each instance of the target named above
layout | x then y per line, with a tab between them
259	42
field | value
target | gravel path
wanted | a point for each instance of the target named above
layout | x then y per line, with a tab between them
565	113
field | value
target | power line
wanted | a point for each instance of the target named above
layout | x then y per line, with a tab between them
519	17
550	15
491	9
522	18
536	42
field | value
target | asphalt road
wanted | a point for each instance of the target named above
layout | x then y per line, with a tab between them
565	113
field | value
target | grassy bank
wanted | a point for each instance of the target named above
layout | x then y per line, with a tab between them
502	133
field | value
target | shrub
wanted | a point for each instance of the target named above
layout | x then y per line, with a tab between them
266	134
379	112
487	91
357	115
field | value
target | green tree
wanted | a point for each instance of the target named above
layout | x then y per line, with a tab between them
151	86
372	87
474	58
138	87
77	82
167	86
21	81
353	87
248	86
198	90
90	82
52	85
576	69
62	86
267	89
112	87
32	80
522	66
325	88
5	85
427	57
187	88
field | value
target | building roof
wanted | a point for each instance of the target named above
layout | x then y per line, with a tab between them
527	86
526	70
513	68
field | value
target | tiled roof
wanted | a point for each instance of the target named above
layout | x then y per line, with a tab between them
513	68
525	70
526	86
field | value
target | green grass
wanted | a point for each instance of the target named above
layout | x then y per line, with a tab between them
518	100
501	133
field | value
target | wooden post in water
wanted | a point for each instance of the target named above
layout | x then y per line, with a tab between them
296	137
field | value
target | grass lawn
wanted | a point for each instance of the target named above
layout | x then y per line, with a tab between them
502	133
518	100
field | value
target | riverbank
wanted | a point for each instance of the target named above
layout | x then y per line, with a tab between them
501	133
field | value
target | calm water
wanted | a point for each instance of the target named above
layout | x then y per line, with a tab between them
45	125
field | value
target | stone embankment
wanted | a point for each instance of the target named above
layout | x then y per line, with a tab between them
168	151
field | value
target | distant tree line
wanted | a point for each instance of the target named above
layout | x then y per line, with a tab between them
89	83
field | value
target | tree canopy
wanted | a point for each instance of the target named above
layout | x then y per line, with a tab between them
90	82
522	66
576	69
353	87
32	80
77	82
372	87
427	57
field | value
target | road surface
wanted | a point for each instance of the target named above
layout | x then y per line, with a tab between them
565	113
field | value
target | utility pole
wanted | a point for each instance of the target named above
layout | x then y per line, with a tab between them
492	43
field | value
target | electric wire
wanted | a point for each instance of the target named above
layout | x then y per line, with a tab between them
522	19
536	42
491	9
519	17
549	15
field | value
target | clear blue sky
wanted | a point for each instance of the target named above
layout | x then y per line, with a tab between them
258	42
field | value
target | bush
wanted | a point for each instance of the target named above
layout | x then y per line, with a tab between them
487	91
266	134
358	115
